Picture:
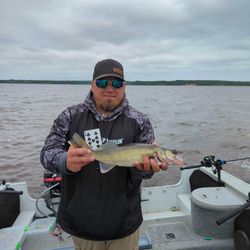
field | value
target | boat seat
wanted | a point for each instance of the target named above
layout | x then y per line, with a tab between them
24	218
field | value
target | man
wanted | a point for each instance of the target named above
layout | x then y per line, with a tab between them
101	211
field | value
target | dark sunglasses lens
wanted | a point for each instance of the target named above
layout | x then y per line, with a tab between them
102	83
117	84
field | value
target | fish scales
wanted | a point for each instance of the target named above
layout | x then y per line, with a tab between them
125	155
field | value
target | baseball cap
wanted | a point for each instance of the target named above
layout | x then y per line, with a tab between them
108	67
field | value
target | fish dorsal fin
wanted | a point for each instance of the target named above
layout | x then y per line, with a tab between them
104	167
78	140
109	146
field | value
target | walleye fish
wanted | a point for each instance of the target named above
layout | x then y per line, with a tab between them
111	155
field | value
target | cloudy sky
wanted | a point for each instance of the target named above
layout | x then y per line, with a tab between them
153	39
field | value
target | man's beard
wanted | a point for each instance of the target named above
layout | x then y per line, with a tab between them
108	106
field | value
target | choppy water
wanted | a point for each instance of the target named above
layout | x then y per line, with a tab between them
198	120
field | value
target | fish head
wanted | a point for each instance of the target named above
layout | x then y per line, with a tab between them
171	156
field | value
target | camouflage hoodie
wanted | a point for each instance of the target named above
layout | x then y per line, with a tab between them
98	206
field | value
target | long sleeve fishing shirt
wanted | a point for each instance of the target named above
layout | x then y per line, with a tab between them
93	205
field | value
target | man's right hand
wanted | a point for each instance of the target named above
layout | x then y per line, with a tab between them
78	158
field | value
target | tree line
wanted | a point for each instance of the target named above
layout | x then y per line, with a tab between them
163	82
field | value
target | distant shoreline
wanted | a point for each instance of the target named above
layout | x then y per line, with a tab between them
167	83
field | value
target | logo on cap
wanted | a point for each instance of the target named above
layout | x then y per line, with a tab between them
116	70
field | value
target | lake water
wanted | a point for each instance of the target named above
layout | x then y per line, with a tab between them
200	121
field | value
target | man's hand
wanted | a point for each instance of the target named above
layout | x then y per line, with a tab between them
78	158
151	165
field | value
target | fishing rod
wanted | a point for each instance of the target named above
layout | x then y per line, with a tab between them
209	161
216	165
235	212
239	159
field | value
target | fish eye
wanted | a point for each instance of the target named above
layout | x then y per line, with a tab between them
174	151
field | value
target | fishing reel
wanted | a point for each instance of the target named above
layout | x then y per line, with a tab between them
209	162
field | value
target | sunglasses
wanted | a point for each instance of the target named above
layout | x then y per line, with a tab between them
116	84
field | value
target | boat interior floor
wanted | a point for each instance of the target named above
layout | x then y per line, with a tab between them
160	234
177	233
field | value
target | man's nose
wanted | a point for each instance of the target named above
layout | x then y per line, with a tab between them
110	85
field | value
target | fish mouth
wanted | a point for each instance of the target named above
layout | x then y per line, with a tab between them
177	162
178	158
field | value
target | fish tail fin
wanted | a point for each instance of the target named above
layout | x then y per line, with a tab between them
78	141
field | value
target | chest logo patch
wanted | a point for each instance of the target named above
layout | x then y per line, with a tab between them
93	138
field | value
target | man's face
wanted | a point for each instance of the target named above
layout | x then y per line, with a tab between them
108	98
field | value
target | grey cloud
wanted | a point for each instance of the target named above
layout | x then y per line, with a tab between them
154	39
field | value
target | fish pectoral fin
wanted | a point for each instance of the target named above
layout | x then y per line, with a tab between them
104	167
